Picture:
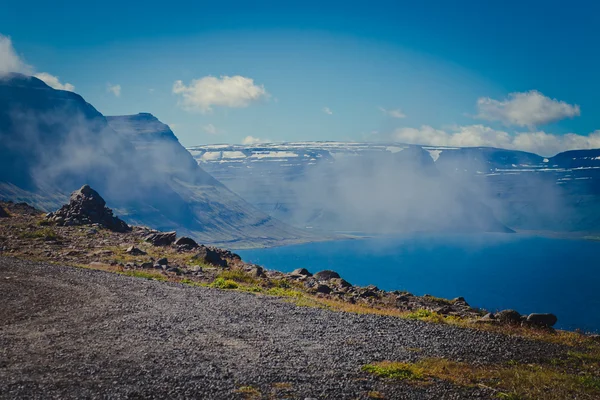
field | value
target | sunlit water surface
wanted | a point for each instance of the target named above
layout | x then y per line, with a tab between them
493	271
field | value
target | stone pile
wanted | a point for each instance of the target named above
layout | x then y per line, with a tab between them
87	207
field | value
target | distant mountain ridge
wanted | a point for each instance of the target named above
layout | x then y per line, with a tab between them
52	142
524	191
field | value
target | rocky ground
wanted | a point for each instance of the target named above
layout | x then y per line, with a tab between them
204	324
77	333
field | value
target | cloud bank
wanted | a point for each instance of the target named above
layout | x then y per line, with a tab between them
9	59
525	109
542	143
54	82
227	91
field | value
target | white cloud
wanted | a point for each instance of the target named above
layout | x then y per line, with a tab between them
210	129
54	82
9	59
542	143
525	109
254	140
327	111
227	91
114	89
397	113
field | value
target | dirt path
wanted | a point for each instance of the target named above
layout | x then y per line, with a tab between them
75	333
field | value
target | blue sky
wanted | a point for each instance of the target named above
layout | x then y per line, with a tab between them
408	71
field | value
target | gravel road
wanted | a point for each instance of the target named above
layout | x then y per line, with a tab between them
74	333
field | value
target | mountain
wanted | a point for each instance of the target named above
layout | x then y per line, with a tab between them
349	186
432	184
52	142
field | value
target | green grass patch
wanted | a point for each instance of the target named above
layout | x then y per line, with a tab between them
394	370
43	233
426	315
237	275
221	283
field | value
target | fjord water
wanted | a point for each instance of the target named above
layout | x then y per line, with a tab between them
492	271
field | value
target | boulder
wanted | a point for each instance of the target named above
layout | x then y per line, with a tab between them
508	317
326	275
163	261
134	251
364	293
300	272
87	207
255	270
147	265
324	289
209	256
161	238
548	320
3	213
186	243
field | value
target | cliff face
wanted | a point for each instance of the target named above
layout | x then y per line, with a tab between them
52	142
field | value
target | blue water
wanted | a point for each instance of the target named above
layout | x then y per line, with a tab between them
492	271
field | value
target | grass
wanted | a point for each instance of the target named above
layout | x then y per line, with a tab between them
516	381
238	276
221	283
43	233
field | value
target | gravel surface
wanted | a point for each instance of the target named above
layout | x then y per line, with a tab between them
74	333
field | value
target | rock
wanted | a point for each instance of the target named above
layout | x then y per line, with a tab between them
324	289
300	272
175	270
3	213
195	268
548	320
163	261
87	207
161	238
134	251
508	317
444	310
488	316
186	243
209	256
147	265
341	282
255	270
402	298
367	293
460	301
326	275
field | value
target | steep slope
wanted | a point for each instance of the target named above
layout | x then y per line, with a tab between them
52	142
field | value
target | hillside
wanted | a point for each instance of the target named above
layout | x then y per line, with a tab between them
52	142
148	314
